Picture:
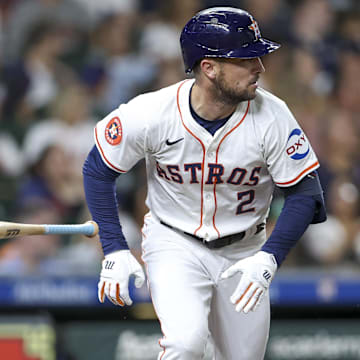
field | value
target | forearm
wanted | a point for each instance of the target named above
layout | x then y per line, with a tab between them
99	186
297	214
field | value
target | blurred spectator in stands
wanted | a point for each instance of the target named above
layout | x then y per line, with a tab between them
160	40
313	21
29	255
55	150
336	241
94	78
98	9
350	30
69	125
305	84
314	28
6	8
11	157
313	64
339	155
25	15
348	86
114	61
11	167
51	179
34	82
177	14
170	72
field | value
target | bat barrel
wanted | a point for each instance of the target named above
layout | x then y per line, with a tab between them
90	228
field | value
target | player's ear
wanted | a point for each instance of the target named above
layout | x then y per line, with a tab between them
209	68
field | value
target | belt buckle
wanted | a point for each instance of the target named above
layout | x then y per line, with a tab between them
206	243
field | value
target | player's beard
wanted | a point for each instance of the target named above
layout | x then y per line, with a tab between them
228	95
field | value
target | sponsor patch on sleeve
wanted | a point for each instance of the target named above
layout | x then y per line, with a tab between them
113	131
297	146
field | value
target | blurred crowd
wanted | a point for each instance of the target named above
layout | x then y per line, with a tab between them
64	64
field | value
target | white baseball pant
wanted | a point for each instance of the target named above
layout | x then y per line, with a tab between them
193	303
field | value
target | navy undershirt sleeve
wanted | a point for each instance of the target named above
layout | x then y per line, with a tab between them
304	205
99	186
295	217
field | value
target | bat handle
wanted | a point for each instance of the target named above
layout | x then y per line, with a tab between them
90	228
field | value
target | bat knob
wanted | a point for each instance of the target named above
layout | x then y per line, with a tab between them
95	226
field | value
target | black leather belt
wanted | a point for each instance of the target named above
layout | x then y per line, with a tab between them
220	242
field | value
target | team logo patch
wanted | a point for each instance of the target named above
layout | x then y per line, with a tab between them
297	146
255	28
113	131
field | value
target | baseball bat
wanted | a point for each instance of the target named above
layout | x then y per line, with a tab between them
10	229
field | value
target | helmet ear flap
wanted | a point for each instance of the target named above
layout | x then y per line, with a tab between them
222	32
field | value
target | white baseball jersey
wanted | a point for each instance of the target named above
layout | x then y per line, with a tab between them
210	186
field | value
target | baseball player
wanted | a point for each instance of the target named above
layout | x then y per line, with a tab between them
215	146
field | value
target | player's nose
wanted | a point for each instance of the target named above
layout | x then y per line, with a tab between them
258	66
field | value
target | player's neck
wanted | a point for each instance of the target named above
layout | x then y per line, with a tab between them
208	107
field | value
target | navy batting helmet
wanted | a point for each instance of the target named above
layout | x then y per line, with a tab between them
222	32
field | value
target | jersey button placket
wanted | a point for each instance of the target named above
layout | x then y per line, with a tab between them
209	205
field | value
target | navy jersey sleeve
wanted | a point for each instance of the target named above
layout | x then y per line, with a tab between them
99	186
304	205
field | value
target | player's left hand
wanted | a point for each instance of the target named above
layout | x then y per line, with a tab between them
257	273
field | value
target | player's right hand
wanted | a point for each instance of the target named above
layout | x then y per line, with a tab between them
114	277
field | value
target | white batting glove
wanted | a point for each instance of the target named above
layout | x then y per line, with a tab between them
257	273
114	277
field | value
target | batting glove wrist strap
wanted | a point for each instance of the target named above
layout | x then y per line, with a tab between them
117	267
257	273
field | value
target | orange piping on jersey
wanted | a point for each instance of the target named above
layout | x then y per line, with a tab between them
217	156
218	232
203	160
103	155
302	173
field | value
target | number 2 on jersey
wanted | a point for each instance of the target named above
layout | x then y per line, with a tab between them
246	197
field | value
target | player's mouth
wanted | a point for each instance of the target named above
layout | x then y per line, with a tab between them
254	83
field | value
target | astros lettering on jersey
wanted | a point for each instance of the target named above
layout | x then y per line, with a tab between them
260	145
